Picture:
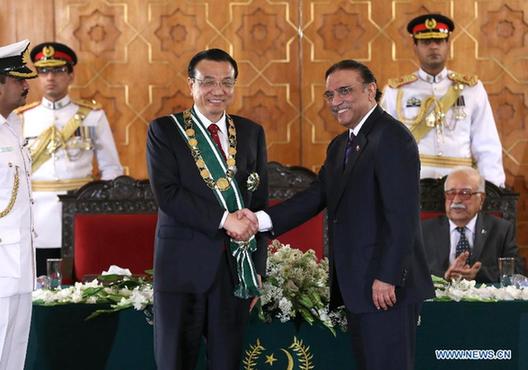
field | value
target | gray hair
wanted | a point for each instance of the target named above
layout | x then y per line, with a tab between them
470	172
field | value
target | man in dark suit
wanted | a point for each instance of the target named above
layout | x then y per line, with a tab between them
369	185
204	165
467	243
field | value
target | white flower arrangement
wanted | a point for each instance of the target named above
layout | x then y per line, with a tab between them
464	290
120	291
297	287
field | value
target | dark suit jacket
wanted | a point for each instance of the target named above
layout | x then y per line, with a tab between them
189	246
494	238
373	213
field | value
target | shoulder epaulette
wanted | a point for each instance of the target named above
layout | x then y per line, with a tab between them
470	80
92	104
26	107
403	80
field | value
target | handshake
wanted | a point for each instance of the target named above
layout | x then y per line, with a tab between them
241	225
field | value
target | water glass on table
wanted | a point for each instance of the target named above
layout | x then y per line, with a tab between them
54	272
506	270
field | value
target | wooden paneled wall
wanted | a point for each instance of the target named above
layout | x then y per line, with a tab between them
133	57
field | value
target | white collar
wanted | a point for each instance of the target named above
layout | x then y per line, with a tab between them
54	105
469	226
356	129
221	123
3	120
433	79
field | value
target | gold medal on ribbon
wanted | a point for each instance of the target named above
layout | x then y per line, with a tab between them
253	181
193	142
222	184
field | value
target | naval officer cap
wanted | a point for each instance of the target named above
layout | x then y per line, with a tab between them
430	26
53	54
13	60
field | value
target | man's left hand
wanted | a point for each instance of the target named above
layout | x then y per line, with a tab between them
383	294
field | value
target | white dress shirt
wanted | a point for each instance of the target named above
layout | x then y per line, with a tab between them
469	230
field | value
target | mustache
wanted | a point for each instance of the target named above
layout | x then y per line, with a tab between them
457	206
339	107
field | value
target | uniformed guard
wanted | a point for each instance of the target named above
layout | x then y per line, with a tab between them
448	113
63	135
17	266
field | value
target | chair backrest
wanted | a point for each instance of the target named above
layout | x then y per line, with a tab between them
500	202
108	222
284	182
113	222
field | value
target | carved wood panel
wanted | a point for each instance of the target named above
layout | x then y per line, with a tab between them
133	57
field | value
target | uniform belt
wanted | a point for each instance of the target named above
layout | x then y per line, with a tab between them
441	161
59	185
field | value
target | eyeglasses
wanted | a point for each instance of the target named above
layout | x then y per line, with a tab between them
53	70
342	91
463	194
210	83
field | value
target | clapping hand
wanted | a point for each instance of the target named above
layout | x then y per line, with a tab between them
460	269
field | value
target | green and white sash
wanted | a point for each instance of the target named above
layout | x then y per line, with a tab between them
207	156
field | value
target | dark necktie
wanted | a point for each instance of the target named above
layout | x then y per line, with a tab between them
213	130
348	148
463	243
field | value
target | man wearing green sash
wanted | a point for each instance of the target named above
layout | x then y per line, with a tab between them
204	166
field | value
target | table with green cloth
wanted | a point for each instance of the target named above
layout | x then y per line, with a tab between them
61	339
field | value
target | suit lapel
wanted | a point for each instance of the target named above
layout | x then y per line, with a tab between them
481	234
444	245
359	145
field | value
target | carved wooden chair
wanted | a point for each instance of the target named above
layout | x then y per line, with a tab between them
499	201
284	182
113	222
105	223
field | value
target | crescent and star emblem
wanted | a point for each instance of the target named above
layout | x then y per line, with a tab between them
297	353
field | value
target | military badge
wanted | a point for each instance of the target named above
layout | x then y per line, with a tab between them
253	181
413	102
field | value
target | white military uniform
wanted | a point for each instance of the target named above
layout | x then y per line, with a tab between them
69	167
468	134
17	258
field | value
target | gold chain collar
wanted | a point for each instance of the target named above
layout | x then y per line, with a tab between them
223	183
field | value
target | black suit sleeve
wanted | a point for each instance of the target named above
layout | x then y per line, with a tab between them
259	200
397	169
299	208
183	205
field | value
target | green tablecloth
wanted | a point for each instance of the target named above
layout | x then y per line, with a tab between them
60	339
